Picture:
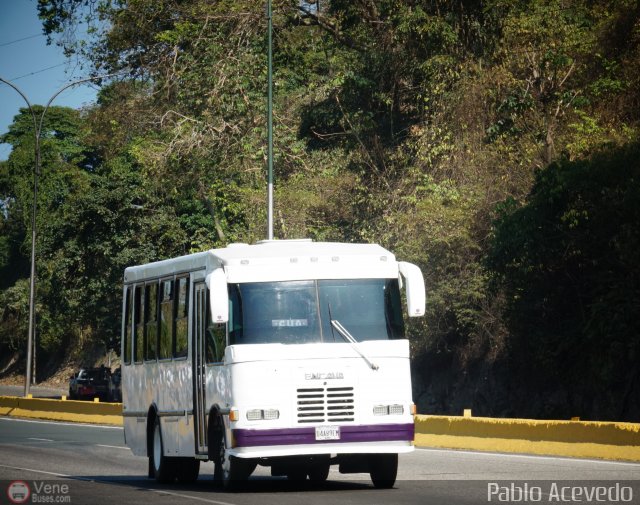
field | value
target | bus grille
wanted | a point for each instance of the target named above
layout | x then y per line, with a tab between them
322	405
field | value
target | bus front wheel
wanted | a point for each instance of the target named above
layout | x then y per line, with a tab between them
319	473
383	469
229	471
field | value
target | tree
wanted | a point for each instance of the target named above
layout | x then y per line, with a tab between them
402	122
63	159
567	261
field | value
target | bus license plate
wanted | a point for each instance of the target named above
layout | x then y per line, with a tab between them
327	432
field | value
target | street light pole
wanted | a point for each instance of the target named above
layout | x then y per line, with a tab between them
32	279
270	108
269	122
36	172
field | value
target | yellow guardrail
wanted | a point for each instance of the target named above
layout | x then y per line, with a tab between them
62	410
582	439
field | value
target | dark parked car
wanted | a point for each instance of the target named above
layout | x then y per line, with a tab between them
90	383
115	391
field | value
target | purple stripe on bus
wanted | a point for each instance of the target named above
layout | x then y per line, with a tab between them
307	435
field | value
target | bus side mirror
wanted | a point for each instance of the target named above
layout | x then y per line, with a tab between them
218	296
414	282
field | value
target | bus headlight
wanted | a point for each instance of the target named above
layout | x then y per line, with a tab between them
396	410
263	414
271	414
254	415
388	410
380	410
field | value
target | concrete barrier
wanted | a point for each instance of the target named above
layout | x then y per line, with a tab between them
583	439
62	410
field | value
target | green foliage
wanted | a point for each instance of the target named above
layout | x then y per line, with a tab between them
567	261
14	301
398	122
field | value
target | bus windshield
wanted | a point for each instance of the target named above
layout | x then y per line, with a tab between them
299	312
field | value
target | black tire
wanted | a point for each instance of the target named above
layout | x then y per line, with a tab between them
319	472
163	467
229	471
188	470
383	469
299	475
239	470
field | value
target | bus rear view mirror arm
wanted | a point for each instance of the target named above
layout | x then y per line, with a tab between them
414	284
218	296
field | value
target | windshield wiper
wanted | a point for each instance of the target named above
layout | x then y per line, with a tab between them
354	343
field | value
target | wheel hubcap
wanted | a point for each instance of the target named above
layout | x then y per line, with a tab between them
157	448
224	460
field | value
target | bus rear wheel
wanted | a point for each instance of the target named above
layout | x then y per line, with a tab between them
163	468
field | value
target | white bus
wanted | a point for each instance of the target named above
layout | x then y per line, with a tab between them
286	354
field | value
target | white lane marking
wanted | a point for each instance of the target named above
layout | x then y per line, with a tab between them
40	439
35	471
84	425
529	456
197	498
113	446
93	479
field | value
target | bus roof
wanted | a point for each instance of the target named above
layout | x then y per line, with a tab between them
279	260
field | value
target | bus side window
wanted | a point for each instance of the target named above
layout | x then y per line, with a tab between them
151	321
235	315
181	322
126	336
166	319
216	337
138	329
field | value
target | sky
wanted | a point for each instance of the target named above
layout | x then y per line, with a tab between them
36	69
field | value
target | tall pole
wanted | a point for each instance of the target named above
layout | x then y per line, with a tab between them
31	341
32	279
269	122
37	125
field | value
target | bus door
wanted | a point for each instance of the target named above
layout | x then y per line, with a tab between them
199	368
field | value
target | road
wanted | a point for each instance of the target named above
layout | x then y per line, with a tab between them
96	468
36	391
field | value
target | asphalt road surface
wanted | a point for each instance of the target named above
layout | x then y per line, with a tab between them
85	464
36	391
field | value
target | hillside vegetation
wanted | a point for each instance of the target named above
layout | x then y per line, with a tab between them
494	143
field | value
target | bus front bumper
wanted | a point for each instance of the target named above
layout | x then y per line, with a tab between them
377	438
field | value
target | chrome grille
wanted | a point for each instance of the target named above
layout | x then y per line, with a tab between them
321	405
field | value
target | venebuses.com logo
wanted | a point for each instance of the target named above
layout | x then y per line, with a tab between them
18	491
